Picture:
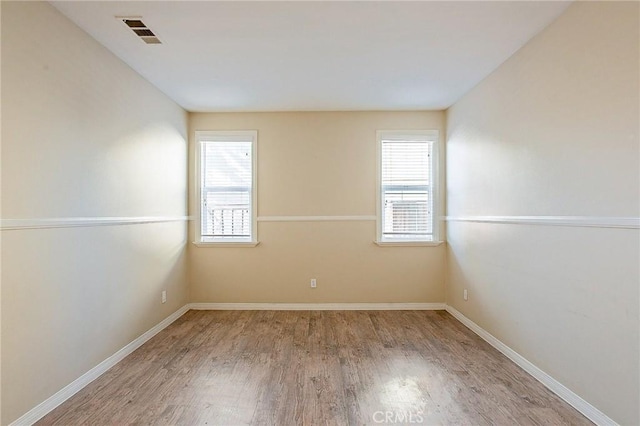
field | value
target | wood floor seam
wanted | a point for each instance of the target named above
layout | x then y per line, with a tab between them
315	367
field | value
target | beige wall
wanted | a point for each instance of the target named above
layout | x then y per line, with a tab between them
554	131
316	164
82	136
0	232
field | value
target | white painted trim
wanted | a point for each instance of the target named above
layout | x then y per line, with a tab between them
408	243
74	387
236	244
588	410
583	221
226	136
431	136
75	222
315	218
318	306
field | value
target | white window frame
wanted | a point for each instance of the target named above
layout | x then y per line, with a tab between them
432	136
202	136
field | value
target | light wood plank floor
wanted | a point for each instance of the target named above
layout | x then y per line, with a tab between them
318	367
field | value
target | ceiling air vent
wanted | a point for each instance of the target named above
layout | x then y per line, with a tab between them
140	29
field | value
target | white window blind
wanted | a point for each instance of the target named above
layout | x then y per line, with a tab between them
226	189
406	188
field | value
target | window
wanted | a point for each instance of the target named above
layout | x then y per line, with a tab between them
407	196
226	177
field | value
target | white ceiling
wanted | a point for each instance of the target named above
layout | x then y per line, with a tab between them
279	56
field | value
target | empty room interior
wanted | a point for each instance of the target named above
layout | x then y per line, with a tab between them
336	213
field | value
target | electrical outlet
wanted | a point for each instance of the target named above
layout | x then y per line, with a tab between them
465	295
164	296
313	283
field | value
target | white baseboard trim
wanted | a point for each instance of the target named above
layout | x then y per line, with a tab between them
317	306
588	410
42	409
74	387
48	405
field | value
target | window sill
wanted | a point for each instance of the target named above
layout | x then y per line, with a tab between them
408	243
204	244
